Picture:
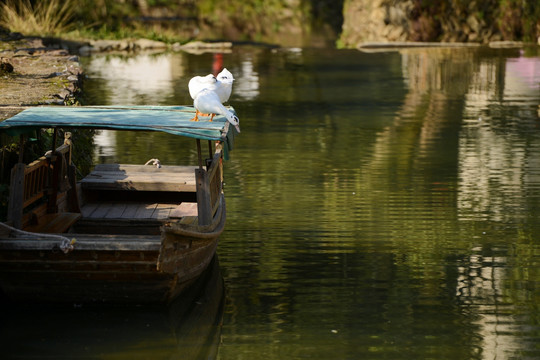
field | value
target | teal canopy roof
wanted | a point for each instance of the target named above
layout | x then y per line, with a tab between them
170	119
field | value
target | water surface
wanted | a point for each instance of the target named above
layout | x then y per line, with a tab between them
380	205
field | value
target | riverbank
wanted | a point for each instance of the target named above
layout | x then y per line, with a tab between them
44	71
36	74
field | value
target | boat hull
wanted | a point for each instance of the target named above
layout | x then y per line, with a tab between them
108	268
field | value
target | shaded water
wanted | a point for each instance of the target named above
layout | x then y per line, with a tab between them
380	205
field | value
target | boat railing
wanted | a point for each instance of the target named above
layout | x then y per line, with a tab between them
41	188
36	178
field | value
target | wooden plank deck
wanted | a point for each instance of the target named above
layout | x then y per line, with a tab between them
109	210
141	178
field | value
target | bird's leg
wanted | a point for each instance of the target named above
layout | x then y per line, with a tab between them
212	116
196	117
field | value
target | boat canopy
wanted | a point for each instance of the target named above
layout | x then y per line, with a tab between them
170	119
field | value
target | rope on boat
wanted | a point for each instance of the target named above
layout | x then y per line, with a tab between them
66	245
154	162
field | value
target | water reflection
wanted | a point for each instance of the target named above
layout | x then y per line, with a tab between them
247	81
189	328
498	146
146	78
380	205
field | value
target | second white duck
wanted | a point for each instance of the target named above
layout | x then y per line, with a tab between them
208	102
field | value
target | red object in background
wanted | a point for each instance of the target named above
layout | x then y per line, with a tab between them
217	64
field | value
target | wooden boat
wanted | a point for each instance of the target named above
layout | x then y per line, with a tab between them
123	233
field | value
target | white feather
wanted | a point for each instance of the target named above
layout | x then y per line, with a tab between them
224	85
198	83
208	102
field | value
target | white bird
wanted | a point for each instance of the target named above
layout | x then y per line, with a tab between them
224	85
207	101
197	83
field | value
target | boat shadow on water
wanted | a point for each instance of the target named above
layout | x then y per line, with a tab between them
188	328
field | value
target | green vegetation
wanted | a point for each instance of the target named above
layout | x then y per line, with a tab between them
272	20
51	17
512	19
113	19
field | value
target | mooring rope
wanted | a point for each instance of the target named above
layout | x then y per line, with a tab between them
155	162
66	245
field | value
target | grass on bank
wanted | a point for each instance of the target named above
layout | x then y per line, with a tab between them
47	17
72	19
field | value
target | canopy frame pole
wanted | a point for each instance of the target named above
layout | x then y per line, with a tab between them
21	147
16	189
55	135
199	154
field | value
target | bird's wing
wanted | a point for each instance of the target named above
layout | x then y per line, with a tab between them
194	86
223	89
221	92
207	101
198	83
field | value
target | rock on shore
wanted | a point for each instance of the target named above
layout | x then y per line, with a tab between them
101	46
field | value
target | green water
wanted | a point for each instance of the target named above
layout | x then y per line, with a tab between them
380	205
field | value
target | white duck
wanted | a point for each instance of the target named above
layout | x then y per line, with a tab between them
207	101
198	83
224	85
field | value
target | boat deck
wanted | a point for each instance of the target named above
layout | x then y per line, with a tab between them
141	178
134	199
137	210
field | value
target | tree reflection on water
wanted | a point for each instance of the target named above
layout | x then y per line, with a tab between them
380	205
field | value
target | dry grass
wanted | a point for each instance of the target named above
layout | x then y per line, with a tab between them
47	17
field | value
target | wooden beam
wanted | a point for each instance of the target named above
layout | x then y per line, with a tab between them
16	193
21	148
199	153
204	208
55	135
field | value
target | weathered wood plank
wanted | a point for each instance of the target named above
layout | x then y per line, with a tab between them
100	242
16	195
54	223
203	197
88	209
155	177
139	184
141	178
116	210
101	210
145	211
145	168
134	210
184	209
162	211
129	212
73	196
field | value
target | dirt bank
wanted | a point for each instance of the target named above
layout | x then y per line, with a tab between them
35	74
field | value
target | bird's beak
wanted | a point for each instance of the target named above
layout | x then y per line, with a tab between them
237	128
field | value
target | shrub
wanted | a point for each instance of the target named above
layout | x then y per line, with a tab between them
47	17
